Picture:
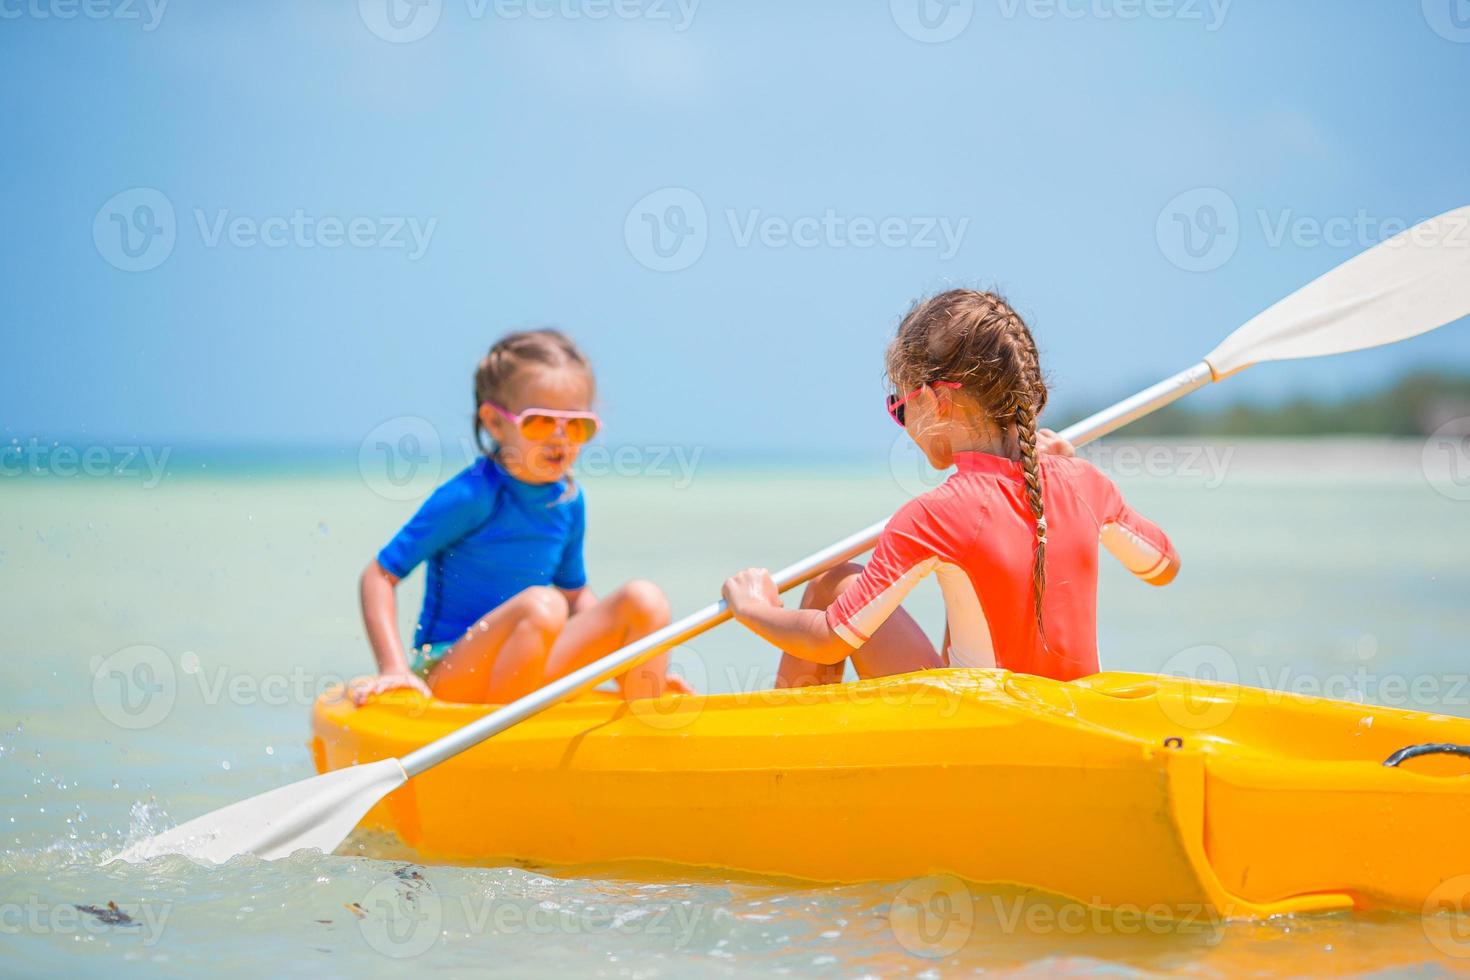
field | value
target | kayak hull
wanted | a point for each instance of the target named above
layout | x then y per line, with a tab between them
1174	797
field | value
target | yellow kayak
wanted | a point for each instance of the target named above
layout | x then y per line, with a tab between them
1118	790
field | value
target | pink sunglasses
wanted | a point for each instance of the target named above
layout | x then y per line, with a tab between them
540	424
895	403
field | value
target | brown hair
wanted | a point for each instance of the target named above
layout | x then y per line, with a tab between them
512	354
977	340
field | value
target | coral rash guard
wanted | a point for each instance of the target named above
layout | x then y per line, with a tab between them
977	534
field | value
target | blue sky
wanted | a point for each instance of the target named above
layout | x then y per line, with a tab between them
821	164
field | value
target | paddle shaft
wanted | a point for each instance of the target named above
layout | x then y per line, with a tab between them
1150	400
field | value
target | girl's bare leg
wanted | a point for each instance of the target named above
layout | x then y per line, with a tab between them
628	614
504	655
898	647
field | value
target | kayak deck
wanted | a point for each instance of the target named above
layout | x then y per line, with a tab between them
1115	790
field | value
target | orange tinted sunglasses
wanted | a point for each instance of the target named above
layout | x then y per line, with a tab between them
540	424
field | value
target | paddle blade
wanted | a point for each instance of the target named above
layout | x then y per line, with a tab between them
1400	288
318	812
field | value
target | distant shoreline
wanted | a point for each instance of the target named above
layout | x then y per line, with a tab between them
1416	404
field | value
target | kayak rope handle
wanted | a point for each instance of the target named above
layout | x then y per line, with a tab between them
1427	748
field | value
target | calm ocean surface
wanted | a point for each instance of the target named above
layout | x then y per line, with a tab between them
1335	567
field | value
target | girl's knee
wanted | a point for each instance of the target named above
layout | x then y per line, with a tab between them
544	608
645	602
823	590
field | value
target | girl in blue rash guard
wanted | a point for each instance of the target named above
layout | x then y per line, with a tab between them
506	604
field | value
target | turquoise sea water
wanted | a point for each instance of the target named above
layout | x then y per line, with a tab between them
164	640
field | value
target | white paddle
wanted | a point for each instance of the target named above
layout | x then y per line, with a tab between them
1403	287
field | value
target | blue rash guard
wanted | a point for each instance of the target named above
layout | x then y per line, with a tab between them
486	537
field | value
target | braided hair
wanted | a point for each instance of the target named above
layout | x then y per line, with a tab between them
977	340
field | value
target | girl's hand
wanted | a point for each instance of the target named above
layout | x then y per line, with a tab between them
1047	441
749	590
365	687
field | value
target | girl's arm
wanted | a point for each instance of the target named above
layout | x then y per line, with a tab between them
1137	542
1142	547
380	617
451	512
756	605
